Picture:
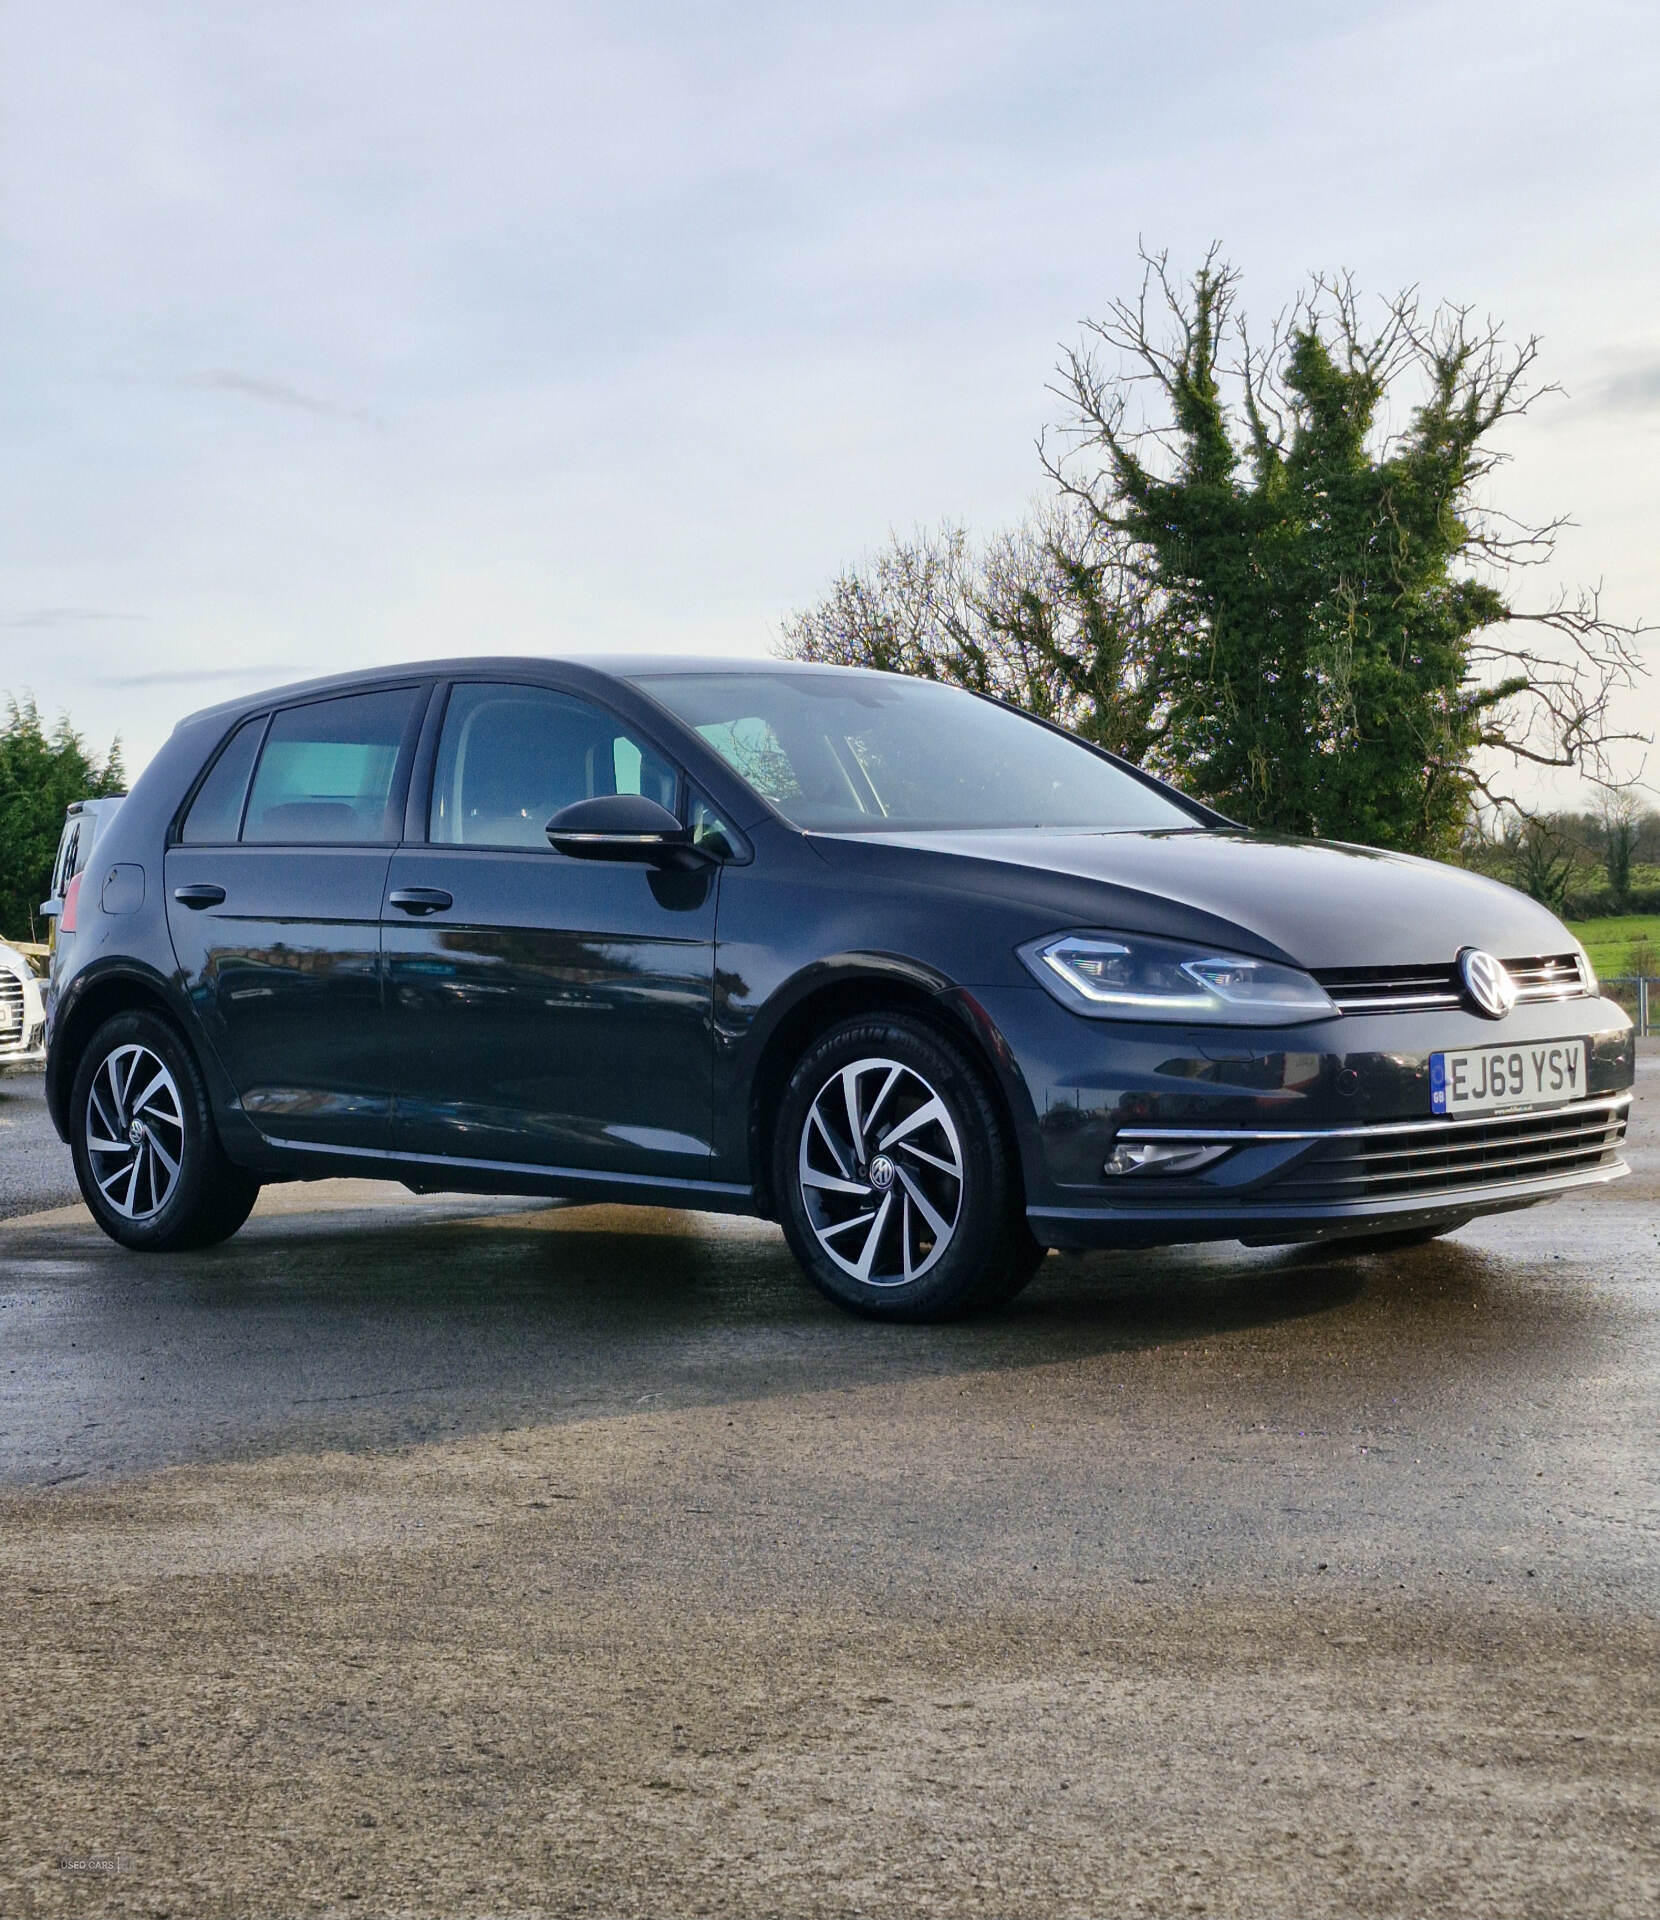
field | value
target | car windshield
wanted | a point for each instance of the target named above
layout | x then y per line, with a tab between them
873	752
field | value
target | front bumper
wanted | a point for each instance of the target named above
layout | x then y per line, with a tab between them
1319	1183
27	1055
1329	1125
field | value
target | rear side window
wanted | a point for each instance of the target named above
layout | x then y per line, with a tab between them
216	812
325	774
510	757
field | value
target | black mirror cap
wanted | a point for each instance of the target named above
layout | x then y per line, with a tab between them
622	826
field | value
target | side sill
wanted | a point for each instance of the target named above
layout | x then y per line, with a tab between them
437	1172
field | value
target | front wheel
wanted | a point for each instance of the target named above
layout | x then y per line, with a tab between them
147	1154
897	1182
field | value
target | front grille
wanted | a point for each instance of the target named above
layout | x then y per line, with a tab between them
1436	989
1430	1158
1392	989
1556	978
11	1008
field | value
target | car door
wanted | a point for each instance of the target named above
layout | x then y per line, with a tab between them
546	1011
274	890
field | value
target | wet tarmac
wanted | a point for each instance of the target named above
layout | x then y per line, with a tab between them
35	1170
1506	1380
584	1561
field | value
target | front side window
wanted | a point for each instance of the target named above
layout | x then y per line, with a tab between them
837	749
325	775
510	757
709	830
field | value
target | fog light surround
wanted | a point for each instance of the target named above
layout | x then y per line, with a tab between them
1160	1157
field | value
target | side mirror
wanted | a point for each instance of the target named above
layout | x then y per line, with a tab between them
623	826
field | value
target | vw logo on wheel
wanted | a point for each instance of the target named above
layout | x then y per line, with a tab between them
881	1173
1487	982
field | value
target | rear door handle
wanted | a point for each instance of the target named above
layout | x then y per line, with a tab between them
420	899
199	894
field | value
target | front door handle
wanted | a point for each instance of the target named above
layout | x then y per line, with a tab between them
420	899
199	894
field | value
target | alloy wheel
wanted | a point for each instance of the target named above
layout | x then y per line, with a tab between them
881	1172
135	1132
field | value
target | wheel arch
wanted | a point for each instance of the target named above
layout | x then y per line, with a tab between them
102	996
859	984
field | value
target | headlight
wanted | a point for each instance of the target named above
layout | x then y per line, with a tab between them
1127	977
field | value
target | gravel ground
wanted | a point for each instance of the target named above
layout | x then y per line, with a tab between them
1210	1581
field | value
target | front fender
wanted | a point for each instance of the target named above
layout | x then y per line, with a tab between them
835	974
755	1056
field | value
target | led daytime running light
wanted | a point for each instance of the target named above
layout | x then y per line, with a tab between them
1163	980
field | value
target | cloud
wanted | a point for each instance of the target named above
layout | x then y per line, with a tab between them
278	393
191	676
1637	390
47	617
669	310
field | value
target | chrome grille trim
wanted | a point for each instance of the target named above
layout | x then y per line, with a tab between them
1255	1136
1546	1155
1436	989
1558	978
1391	989
11	1007
1590	1129
1504	1150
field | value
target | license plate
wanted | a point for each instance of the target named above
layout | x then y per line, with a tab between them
1484	1079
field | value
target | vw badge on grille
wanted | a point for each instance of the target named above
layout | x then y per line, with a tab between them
1486	982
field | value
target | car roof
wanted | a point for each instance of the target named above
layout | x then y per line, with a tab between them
615	666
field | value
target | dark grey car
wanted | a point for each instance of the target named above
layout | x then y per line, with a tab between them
934	984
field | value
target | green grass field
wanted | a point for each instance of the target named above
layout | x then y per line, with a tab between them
1609	942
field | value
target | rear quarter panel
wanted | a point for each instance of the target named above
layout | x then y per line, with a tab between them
133	945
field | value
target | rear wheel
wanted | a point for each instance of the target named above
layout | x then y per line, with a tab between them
147	1154
898	1186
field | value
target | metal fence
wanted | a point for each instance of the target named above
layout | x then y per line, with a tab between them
1636	993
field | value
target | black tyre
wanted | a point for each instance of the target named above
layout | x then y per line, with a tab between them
897	1185
147	1154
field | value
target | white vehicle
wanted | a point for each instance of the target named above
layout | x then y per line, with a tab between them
84	821
22	1015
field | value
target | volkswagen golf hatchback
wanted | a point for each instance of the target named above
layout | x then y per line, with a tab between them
933	984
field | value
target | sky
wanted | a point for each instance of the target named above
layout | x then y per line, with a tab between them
352	333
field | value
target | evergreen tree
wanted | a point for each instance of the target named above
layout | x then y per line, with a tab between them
1247	578
40	774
